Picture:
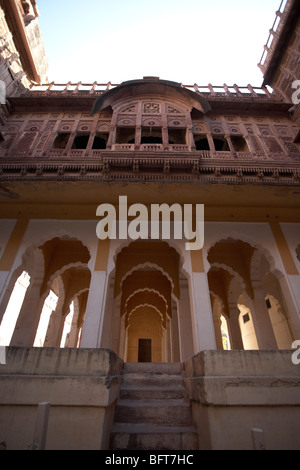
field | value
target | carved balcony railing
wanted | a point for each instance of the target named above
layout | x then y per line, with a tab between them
209	91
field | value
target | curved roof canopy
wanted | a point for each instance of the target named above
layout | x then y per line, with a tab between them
151	86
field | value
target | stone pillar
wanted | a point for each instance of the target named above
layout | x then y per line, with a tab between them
55	327
106	337
74	331
122	343
235	335
228	138
186	336
164	346
29	315
175	352
169	340
92	328
210	141
138	136
261	320
165	137
96	302
203	326
116	326
217	327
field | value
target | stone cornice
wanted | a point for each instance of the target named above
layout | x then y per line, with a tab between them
59	102
160	167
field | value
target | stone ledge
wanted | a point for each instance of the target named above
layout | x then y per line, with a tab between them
243	378
61	362
267	363
64	377
28	390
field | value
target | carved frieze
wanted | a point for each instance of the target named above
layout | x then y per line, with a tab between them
126	120
151	108
152	121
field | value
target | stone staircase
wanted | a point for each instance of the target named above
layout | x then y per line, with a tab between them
152	412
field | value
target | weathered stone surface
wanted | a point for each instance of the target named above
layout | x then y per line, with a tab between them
152	412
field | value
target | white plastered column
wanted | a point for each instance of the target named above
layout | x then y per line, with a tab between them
201	311
95	309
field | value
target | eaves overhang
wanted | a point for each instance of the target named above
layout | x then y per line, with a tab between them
151	86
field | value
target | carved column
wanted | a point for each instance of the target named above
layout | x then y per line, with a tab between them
175	353
228	138
112	131
217	327
210	142
95	310
235	335
56	326
202	320
184	321
261	319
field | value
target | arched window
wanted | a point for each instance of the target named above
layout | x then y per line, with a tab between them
221	144
201	142
239	143
13	308
100	141
80	141
61	140
151	135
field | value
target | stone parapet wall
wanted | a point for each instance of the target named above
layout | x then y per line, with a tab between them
81	385
234	393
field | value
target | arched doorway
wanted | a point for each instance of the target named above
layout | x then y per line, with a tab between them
243	277
148	315
58	266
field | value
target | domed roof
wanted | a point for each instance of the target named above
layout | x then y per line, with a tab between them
151	86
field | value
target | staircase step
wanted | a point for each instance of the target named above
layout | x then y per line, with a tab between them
152	412
172	368
168	412
153	437
144	392
148	379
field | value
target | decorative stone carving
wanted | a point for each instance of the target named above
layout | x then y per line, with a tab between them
151	108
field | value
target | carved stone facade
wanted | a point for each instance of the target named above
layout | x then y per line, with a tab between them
225	311
256	142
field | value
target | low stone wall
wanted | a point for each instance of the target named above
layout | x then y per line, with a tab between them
81	385
245	399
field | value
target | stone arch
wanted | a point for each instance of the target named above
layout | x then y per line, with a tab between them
43	262
249	265
146	272
235	235
140	297
144	266
146	253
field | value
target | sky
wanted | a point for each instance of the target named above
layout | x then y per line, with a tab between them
191	41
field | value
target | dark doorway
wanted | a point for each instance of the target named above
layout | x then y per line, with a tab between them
144	354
